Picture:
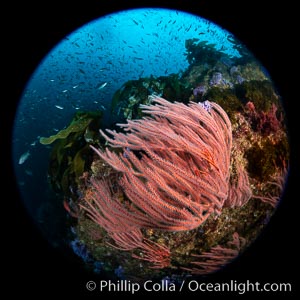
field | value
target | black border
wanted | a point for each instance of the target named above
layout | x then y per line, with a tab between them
33	28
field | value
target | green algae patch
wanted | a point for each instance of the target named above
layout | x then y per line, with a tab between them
71	155
77	125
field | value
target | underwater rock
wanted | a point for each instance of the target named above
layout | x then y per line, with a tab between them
199	90
217	79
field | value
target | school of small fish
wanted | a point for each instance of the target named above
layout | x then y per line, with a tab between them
84	71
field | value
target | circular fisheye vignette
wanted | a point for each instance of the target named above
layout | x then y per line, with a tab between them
192	154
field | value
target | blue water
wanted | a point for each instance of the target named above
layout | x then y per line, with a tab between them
109	51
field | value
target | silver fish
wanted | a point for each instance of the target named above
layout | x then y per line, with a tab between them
24	157
102	86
